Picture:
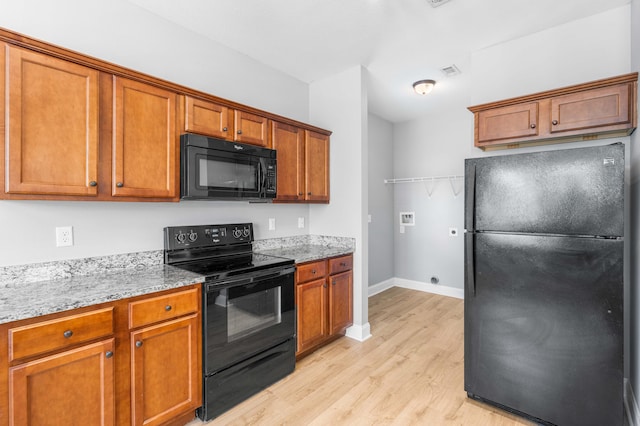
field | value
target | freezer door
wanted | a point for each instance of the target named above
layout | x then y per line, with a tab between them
574	191
543	327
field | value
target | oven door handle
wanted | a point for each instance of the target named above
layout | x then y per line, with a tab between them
251	280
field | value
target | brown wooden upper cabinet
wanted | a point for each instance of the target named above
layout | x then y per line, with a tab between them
52	111
219	121
303	164
144	141
602	108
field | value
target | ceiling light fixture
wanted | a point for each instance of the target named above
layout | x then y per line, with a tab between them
422	87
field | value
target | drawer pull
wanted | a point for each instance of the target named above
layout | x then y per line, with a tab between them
109	354
93	183
224	129
554	122
119	184
239	132
167	308
343	263
138	343
333	282
324	285
313	271
533	125
67	334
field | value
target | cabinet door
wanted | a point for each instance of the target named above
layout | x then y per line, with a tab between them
514	121
144	141
288	141
607	106
251	128
165	371
311	300
52	138
316	160
206	118
340	301
75	387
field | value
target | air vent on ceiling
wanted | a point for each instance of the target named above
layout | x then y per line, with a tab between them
436	3
451	70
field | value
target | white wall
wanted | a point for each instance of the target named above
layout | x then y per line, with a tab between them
127	35
583	50
339	103
380	146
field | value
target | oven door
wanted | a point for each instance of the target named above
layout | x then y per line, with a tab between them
209	173
247	315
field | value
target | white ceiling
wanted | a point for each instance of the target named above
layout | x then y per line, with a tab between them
397	41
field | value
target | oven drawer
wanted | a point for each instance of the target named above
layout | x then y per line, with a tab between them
340	264
161	308
311	271
59	333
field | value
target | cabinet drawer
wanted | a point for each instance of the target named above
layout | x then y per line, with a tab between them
59	333
340	264
162	308
311	271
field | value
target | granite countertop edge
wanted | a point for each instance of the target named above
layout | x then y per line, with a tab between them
28	291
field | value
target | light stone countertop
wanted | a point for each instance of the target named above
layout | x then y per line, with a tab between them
33	299
32	290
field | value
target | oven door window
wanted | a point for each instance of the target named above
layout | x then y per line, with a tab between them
245	320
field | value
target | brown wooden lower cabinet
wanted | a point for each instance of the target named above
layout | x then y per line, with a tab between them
324	302
75	387
135	361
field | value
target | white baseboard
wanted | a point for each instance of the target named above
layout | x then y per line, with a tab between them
630	404
442	290
381	286
359	332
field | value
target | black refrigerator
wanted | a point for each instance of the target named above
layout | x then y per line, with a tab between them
543	306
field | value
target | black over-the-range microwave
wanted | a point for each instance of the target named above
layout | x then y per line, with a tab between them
213	169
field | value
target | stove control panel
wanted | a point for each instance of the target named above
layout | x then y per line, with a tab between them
179	237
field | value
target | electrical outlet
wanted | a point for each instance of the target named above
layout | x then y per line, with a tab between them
64	236
272	224
301	222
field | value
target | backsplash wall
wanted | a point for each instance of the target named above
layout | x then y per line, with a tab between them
105	228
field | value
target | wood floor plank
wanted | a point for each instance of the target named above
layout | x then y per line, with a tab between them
411	372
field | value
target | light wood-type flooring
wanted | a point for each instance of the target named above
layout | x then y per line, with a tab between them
411	372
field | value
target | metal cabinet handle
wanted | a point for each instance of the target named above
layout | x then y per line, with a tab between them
324	285
67	334
308	193
119	184
93	183
333	282
554	122
300	194
224	129
167	308
313	271
138	343
343	263
239	132
109	354
533	126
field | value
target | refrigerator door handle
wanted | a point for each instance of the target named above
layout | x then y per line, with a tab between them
470	189
470	260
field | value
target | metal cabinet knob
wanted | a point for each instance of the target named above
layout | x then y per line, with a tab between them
343	263
313	271
239	132
109	354
119	184
333	282
300	194
224	129
67	334
533	126
324	285
554	122
308	193
138	343
167	308
93	183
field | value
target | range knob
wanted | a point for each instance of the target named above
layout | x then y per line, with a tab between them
181	237
193	236
246	232
237	232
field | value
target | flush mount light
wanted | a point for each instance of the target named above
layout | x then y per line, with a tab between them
422	87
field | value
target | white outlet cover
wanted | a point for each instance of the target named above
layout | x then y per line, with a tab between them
272	224
301	222
64	236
